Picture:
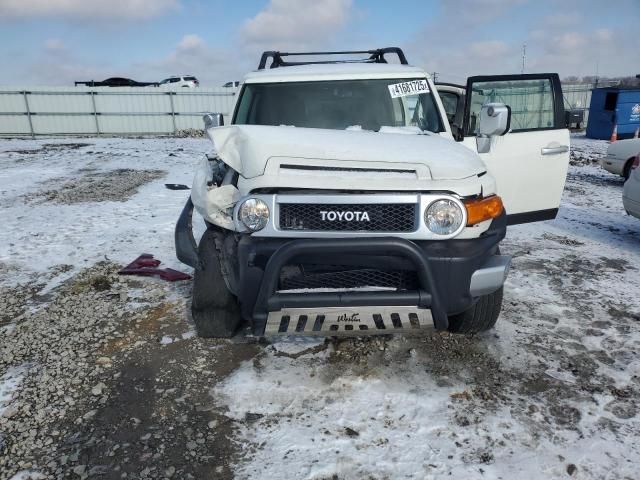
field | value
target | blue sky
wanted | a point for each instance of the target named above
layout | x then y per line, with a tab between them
55	42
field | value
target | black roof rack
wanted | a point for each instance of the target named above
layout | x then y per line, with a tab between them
375	56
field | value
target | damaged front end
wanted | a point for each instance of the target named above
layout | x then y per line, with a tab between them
344	247
214	196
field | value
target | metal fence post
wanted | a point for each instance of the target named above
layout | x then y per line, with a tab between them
173	112
26	104
95	112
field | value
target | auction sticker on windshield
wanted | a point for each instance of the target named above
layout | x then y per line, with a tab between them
403	89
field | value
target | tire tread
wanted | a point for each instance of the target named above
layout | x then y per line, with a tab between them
214	309
482	316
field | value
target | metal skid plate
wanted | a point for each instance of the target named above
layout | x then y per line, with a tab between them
348	321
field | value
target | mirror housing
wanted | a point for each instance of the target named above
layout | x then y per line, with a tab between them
213	120
495	119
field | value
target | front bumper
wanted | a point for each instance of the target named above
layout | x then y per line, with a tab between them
451	275
612	165
632	207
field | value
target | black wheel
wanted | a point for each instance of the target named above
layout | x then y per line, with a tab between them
480	317
626	173
214	309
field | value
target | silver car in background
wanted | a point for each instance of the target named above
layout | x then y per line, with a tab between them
620	156
180	81
631	192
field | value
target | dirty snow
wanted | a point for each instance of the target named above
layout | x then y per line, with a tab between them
28	475
10	383
37	236
552	392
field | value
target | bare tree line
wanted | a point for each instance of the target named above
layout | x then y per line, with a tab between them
629	81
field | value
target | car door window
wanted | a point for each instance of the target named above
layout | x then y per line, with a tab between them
450	104
529	163
531	102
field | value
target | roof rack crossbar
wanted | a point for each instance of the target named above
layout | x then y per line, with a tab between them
375	56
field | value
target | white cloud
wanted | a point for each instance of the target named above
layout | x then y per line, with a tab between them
296	24
213	66
477	11
582	52
604	34
568	43
488	49
560	40
190	42
562	20
57	64
86	9
54	45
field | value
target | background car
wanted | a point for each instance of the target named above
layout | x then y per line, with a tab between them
631	192
620	156
186	81
234	84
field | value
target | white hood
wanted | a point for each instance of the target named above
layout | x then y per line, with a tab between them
248	149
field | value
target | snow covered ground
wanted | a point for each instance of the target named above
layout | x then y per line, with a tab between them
552	392
57	208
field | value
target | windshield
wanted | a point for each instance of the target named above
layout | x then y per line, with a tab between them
340	104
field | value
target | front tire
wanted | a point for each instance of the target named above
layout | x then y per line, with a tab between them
482	316
626	173
214	308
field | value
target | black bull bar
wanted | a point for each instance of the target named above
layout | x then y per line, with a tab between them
269	300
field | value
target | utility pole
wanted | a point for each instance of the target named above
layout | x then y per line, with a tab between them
524	56
434	77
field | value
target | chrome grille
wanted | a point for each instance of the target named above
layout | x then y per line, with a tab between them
390	217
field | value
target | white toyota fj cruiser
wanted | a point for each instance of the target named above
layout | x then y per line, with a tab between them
344	199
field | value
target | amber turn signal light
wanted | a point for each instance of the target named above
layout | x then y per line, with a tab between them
482	209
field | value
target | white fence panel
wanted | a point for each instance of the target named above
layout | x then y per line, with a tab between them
108	111
67	125
15	125
136	125
56	102
35	111
11	102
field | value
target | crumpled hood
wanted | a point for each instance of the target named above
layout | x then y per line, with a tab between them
249	148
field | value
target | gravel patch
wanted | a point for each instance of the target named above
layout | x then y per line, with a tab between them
190	133
115	185
585	151
96	392
49	148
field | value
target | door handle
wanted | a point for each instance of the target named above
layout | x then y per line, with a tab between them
555	150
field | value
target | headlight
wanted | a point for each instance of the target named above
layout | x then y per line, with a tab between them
254	214
443	217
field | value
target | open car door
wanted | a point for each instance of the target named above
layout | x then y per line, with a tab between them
529	162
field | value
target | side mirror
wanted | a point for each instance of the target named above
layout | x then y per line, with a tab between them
213	120
495	119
